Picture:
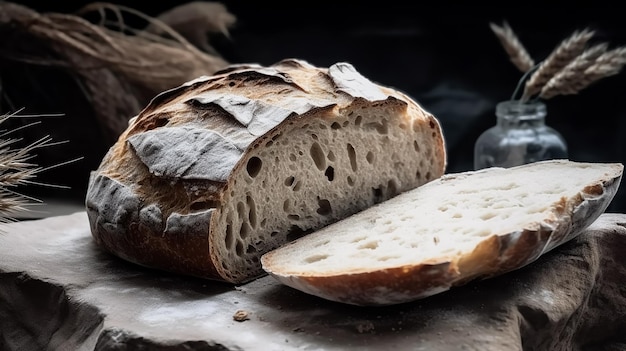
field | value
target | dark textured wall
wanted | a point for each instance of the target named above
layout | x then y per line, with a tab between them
443	54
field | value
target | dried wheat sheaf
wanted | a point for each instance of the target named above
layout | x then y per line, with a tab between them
572	66
118	67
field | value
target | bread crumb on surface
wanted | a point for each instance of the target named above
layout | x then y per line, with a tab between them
365	327
241	315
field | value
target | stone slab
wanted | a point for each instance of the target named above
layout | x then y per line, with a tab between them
59	291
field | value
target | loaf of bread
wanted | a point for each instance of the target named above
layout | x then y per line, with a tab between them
449	232
215	173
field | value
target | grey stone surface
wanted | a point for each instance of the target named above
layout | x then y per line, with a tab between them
59	291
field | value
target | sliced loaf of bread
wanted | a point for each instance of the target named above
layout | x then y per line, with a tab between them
453	230
215	173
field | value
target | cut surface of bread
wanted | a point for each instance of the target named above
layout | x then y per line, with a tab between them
212	174
458	228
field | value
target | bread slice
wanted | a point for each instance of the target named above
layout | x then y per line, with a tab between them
458	228
215	173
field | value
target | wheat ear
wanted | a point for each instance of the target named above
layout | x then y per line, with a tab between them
513	47
562	55
568	80
607	64
17	169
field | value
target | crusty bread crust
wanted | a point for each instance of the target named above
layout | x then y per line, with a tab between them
493	256
163	192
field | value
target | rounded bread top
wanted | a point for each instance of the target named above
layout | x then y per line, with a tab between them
212	120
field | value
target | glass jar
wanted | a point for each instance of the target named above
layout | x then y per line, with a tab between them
520	136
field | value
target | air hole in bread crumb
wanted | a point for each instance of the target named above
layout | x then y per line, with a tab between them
254	166
297	186
377	194
251	249
292	157
352	157
487	216
428	176
483	232
335	125
295	232
229	239
239	248
293	217
387	258
273	234
287	205
350	181
289	181
241	209
418	175
317	154
358	120
380	127
369	245
314	136
330	173
416	146
315	258
370	157
251	211
245	230
383	128
331	155
324	207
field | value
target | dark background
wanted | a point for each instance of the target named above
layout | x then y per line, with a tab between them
443	54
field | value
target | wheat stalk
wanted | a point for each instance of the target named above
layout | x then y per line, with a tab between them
607	64
513	47
560	57
17	169
569	79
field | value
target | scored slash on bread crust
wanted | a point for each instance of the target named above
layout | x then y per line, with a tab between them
215	173
453	230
